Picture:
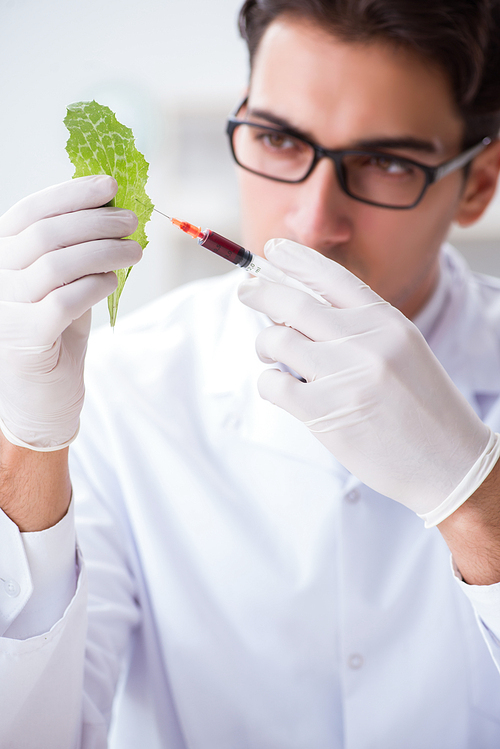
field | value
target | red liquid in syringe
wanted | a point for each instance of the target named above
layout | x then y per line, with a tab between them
216	243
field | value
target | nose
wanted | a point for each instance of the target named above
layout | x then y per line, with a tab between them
320	215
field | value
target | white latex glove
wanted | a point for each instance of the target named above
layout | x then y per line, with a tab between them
375	395
58	249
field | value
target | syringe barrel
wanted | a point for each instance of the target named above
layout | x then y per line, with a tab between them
225	248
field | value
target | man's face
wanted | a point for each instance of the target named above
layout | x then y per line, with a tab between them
342	94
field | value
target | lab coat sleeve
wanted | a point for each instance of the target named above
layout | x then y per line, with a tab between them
49	563
63	647
43	625
485	600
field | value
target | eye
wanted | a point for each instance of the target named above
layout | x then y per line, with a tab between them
278	141
275	142
390	166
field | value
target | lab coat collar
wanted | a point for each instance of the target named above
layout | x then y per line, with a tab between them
463	337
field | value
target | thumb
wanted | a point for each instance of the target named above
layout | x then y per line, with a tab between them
329	279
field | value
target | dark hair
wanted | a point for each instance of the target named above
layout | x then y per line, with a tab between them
462	36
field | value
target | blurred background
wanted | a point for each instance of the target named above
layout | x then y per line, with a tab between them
171	70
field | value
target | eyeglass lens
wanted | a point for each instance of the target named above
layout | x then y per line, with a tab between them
378	178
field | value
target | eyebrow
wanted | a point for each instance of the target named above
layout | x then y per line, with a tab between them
281	122
406	142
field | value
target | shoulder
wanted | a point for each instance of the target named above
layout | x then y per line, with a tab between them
488	290
478	293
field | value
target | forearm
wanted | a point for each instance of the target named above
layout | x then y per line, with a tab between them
35	489
472	533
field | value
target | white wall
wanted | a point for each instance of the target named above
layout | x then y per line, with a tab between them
170	69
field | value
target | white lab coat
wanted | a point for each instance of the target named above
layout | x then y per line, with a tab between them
243	589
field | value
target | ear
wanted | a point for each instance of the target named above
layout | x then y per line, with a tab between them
480	186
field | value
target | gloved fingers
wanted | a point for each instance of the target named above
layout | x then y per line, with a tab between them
351	362
64	266
76	335
332	281
66	197
280	388
41	323
297	309
288	346
301	399
284	305
54	233
68	303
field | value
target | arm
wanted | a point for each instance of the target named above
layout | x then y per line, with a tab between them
472	533
35	488
58	249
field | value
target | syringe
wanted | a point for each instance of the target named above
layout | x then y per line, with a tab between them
225	248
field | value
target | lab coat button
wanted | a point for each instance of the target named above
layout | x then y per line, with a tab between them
353	496
11	588
232	422
355	661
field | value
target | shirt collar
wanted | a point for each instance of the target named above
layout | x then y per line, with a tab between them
457	328
428	317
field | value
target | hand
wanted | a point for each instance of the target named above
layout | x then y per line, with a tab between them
58	249
375	395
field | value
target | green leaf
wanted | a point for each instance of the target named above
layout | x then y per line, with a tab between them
99	144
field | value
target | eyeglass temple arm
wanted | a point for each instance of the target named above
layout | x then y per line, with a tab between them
461	160
235	111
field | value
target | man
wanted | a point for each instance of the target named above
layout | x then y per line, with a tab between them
244	587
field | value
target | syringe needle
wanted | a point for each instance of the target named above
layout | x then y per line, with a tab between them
155	209
163	214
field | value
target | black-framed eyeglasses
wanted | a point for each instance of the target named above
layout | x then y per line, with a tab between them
374	177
